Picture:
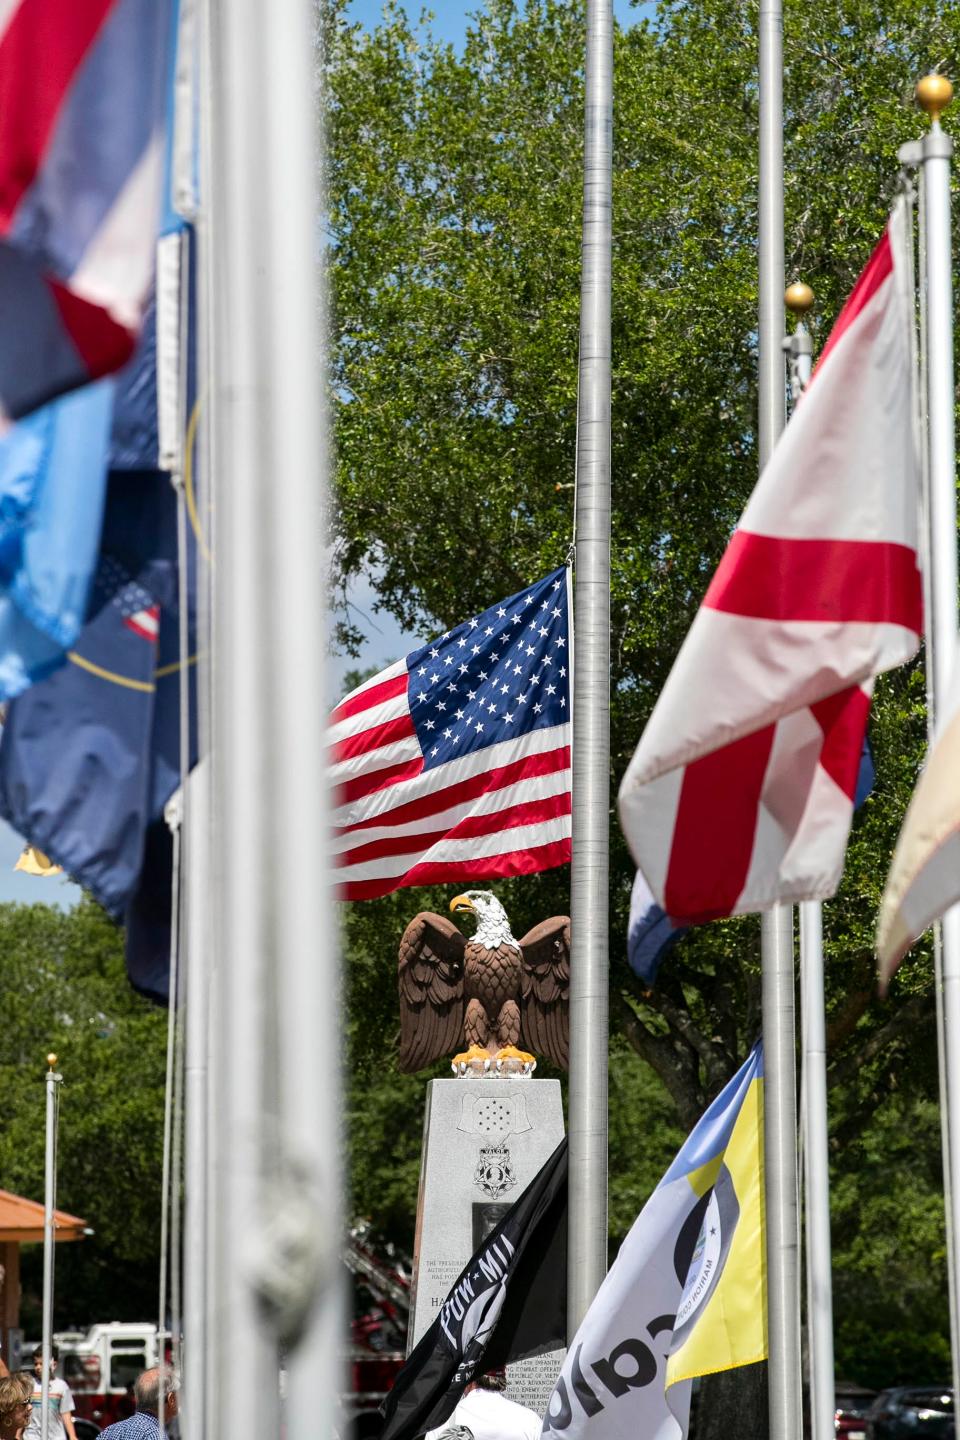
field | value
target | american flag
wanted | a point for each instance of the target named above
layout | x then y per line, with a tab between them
454	763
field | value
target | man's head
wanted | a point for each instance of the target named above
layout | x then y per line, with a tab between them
146	1391
493	1380
38	1360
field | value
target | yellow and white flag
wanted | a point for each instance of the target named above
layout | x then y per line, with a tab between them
924	879
722	1316
687	1293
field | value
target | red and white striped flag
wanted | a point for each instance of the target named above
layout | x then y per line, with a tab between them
740	793
454	763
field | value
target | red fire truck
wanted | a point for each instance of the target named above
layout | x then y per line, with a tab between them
380	1295
101	1364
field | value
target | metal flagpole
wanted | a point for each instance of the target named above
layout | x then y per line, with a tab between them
196	1237
934	93
200	1252
911	155
776	926
49	1205
589	1000
799	299
816	1156
274	1299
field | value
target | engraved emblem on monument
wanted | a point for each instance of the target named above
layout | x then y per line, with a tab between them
494	1173
494	1114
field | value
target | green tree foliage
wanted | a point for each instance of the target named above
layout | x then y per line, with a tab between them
454	194
65	990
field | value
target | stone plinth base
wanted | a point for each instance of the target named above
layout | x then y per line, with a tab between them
484	1140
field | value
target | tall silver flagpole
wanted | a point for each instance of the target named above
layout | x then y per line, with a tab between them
197	1137
934	93
589	1001
816	1164
776	926
275	1180
911	155
799	299
201	1097
49	1236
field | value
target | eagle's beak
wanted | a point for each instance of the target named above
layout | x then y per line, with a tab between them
461	902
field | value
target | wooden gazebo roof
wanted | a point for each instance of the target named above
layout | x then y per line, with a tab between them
22	1220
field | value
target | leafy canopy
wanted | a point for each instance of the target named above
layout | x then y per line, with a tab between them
454	232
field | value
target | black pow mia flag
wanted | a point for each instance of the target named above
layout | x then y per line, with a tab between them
509	1302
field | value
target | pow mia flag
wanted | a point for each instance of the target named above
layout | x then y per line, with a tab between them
508	1303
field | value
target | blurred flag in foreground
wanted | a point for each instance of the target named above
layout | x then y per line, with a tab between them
686	1295
508	1303
741	791
924	879
82	101
454	763
53	481
89	756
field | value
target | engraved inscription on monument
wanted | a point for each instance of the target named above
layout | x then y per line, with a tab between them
484	1141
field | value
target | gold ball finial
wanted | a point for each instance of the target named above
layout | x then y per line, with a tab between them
934	93
51	1060
798	297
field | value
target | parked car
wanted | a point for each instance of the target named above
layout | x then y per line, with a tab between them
852	1401
911	1411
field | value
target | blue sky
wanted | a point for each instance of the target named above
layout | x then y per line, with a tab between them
450	18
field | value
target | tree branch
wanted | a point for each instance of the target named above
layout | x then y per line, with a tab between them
717	1071
915	1009
676	1069
844	1022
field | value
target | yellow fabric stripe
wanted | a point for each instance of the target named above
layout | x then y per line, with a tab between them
702	1179
110	675
166	670
732	1330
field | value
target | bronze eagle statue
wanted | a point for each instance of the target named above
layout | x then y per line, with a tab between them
491	992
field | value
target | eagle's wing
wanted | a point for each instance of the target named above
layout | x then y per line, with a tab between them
545	1006
431	990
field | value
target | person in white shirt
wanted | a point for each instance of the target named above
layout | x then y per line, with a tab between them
486	1412
59	1405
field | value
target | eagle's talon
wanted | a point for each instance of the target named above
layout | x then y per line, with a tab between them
476	1052
510	1052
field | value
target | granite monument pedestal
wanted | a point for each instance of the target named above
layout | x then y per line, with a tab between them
484	1139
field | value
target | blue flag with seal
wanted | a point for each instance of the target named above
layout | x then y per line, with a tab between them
89	756
687	1293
